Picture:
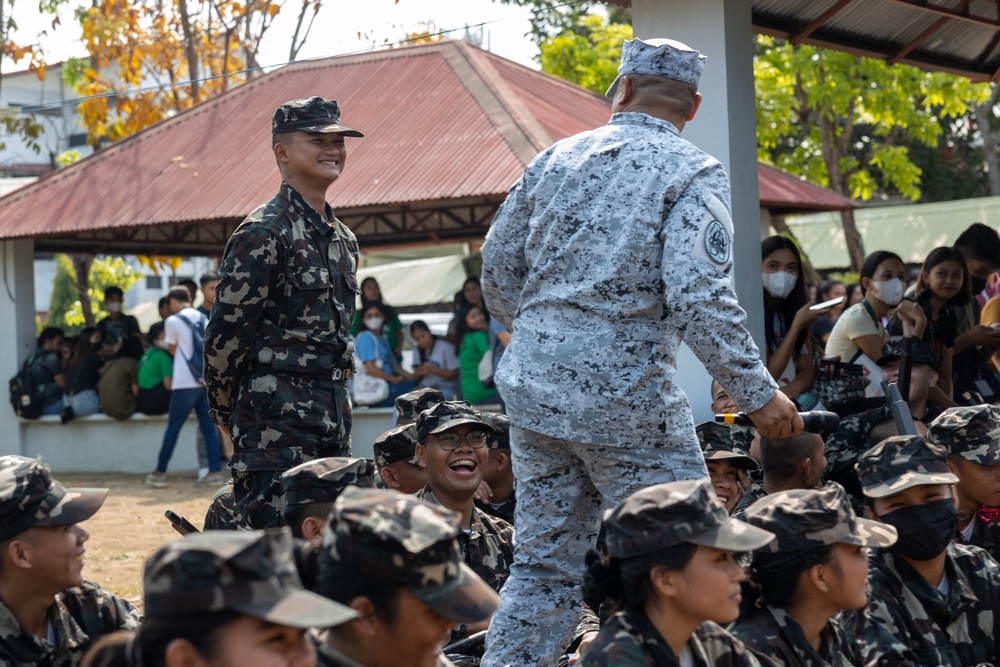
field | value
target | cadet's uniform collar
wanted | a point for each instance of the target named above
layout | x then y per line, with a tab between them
637	118
299	203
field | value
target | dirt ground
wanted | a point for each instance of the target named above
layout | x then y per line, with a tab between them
131	526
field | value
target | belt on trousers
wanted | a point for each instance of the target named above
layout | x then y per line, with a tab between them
334	374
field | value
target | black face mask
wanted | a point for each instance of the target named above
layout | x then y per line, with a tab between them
978	285
924	530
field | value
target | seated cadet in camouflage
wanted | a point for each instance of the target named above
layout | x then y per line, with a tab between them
225	598
788	463
397	561
49	614
221	514
816	566
670	578
931	601
728	463
309	490
496	491
412	403
971	435
452	451
278	347
395	456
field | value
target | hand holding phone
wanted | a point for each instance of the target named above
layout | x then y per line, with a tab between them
828	304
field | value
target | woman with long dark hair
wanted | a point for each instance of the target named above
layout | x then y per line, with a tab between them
473	345
435	362
392	330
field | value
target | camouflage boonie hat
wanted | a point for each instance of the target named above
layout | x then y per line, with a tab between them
248	572
659	57
972	432
310	114
723	442
920	352
446	415
405	541
322	480
668	514
412	403
397	444
500	438
807	518
902	461
30	497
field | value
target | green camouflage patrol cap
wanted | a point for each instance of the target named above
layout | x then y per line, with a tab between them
500	438
807	518
405	541
720	442
920	352
902	461
972	432
30	497
412	403
322	480
310	114
397	444
446	415
248	572
669	514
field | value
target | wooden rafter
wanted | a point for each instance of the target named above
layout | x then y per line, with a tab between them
801	35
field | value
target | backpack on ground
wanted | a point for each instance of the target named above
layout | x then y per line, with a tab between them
25	392
196	363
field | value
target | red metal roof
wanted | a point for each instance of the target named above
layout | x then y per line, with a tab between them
783	193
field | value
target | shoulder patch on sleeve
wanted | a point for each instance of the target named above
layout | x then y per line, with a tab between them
715	243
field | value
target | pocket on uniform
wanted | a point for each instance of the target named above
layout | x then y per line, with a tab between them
313	277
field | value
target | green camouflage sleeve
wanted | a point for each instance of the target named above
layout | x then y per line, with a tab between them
248	275
875	630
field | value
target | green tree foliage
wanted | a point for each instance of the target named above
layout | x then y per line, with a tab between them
65	309
589	55
553	18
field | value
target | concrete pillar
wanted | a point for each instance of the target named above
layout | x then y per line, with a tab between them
17	331
725	128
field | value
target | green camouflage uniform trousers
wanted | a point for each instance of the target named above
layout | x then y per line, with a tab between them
79	616
773	632
630	640
908	622
277	346
222	514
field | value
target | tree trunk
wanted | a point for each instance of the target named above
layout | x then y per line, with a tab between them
189	51
808	270
983	113
855	248
81	266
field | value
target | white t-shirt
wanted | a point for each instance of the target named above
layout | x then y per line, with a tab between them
855	323
179	333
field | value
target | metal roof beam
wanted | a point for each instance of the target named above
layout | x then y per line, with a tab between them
803	34
962	14
920	39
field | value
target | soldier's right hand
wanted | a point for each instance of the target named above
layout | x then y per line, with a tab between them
778	418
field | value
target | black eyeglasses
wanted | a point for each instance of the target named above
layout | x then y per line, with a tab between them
449	441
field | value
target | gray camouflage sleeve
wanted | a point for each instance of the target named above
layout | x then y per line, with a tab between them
505	269
246	278
697	259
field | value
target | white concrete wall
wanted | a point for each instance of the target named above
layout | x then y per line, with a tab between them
17	329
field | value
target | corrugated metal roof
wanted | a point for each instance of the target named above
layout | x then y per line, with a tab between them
783	193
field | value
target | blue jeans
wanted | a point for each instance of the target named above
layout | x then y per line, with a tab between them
182	402
54	408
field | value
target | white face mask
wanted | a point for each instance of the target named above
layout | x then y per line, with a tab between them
779	284
374	323
889	292
114	307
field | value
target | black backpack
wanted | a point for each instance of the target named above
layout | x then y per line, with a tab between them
25	392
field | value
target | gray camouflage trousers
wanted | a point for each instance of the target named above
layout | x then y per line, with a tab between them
562	489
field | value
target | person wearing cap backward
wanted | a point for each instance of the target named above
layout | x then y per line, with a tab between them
931	601
277	346
396	458
971	435
670	580
613	247
816	566
397	561
728	464
224	598
49	614
310	489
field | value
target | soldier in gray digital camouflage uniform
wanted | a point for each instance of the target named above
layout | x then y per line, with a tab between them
396	458
613	247
972	437
49	614
397	561
310	489
931	601
816	566
277	347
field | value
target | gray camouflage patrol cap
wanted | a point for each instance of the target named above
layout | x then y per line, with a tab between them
412	403
248	572
449	414
723	442
322	480
397	444
310	114
920	352
500	438
902	461
659	57
402	540
972	432
668	514
30	497
807	518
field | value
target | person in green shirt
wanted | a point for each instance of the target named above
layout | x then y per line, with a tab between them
118	387
473	345
156	369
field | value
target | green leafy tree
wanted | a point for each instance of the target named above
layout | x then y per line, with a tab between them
67	309
589	55
553	18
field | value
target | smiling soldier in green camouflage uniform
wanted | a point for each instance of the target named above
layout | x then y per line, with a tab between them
277	347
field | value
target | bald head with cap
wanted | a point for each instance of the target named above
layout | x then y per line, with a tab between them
658	77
